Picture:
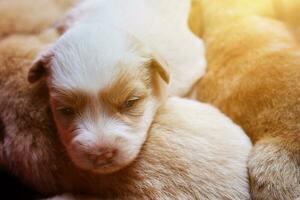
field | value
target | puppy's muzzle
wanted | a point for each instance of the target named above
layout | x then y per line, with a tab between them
103	157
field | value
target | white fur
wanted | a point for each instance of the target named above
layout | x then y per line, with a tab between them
161	25
90	63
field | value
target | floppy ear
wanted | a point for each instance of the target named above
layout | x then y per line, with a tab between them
39	67
157	62
161	66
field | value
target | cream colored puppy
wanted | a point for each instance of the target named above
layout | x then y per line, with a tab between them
109	72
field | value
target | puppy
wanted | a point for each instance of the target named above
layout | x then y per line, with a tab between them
253	76
192	151
106	81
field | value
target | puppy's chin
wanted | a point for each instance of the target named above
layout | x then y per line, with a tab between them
110	168
106	168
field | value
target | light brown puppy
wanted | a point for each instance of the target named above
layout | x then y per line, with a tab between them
192	152
253	76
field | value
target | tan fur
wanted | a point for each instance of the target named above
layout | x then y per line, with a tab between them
289	12
253	76
182	158
30	16
126	84
75	99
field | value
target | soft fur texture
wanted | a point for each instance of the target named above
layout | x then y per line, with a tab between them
289	12
26	17
159	25
193	151
253	76
30	16
111	70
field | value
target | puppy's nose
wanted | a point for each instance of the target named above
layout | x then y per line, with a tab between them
103	157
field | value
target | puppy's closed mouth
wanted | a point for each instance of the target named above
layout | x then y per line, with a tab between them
104	164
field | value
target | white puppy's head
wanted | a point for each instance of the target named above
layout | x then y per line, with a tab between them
105	87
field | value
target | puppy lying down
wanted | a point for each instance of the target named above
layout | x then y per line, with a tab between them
192	151
109	72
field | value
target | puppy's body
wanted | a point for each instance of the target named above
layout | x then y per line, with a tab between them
253	76
192	150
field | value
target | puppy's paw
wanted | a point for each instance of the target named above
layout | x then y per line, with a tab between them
274	169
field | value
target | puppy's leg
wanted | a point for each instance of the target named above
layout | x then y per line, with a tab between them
274	168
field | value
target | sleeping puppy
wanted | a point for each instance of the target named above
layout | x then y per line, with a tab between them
108	74
103	103
192	150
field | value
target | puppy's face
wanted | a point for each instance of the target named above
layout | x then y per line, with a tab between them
104	92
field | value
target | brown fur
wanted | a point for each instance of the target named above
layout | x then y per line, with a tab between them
75	99
253	76
126	85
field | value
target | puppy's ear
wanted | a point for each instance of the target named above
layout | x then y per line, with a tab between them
39	67
157	62
161	66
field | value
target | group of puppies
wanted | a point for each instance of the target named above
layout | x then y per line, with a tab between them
106	86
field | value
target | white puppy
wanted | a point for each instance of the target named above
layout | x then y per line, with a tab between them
111	70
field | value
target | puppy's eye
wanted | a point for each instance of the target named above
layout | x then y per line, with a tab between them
130	103
66	111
